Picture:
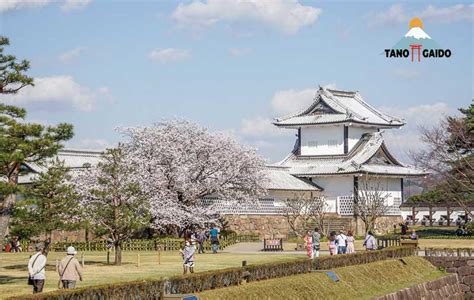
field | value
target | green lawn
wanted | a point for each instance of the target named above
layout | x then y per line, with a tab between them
356	282
13	270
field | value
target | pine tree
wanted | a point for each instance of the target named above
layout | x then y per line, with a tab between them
20	142
12	77
50	204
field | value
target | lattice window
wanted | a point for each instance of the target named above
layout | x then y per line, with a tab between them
346	205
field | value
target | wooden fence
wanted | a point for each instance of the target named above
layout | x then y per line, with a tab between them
467	252
162	244
388	242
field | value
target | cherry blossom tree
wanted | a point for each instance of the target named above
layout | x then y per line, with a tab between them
178	162
111	199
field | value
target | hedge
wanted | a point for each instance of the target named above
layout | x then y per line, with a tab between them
193	283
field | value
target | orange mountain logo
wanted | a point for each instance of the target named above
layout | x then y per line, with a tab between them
416	43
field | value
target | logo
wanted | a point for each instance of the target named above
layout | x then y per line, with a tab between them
417	44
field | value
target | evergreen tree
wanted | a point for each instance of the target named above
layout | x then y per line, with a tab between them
20	142
50	204
12	77
112	201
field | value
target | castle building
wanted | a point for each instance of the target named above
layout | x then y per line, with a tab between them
339	144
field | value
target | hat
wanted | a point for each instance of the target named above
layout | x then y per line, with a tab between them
39	246
71	250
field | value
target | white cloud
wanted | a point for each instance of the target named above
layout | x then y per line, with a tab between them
70	5
71	55
407	73
260	127
458	12
67	5
55	92
290	101
394	15
169	55
407	138
8	5
287	16
239	51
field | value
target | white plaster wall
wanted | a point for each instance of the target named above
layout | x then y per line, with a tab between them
391	186
316	140
335	186
355	133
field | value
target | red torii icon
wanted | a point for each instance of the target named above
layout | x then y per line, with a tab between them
415	47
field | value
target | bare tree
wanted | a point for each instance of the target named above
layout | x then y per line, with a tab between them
448	155
304	211
371	200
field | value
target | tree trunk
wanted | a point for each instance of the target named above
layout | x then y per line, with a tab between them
118	253
8	203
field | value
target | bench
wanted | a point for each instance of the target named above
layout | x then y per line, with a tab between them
409	243
273	245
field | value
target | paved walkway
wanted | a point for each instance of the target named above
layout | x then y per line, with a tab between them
256	247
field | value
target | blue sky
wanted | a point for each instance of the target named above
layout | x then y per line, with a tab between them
232	65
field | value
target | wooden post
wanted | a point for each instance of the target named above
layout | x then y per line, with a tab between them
244	263
108	256
138	259
448	211
431	215
82	259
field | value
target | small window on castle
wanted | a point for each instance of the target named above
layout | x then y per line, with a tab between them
312	143
332	143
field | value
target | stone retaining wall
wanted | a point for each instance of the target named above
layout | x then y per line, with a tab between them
447	287
276	226
462	266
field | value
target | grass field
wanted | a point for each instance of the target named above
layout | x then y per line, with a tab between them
356	282
13	270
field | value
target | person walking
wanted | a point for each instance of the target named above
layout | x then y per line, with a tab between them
69	269
309	244
188	257
36	268
370	243
316	242
341	239
350	242
332	244
214	239
201	238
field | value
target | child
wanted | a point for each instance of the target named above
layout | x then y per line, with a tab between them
188	257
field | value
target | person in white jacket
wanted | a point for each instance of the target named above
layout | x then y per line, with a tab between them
370	243
36	268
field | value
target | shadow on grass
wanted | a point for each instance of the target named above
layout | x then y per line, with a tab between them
9	279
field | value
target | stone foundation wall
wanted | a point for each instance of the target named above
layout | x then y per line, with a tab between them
462	266
447	287
267	226
263	225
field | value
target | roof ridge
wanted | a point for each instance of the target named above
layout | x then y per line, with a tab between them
382	115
